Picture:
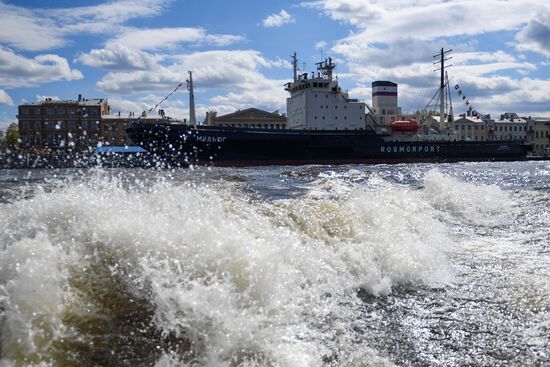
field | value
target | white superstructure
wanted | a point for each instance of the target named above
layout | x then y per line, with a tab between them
318	103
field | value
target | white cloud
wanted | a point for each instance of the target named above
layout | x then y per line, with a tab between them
119	57
215	71
221	40
5	98
19	71
126	51
158	38
388	21
212	69
278	19
395	40
321	45
5	122
535	36
165	38
40	98
42	29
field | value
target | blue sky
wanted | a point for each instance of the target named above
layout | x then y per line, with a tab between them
134	52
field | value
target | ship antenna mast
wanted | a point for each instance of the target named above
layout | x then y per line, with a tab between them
192	117
442	58
326	67
295	67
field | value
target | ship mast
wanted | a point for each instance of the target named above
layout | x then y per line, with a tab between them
192	117
442	58
326	67
295	67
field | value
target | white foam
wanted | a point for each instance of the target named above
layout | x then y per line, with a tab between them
242	280
467	202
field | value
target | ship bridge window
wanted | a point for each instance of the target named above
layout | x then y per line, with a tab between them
314	85
325	85
316	96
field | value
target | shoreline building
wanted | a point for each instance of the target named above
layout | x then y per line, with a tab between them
474	128
250	117
538	133
61	123
79	125
510	127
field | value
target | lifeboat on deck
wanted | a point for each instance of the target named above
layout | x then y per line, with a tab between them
404	126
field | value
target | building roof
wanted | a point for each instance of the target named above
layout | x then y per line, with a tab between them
83	102
251	114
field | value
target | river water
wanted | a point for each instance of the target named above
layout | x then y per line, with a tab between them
405	265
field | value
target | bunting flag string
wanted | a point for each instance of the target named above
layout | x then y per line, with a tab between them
466	101
164	99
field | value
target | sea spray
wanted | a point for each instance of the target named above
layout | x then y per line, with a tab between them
188	268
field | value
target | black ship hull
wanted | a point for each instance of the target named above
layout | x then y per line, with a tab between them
225	146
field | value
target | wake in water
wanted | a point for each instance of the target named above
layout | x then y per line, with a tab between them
149	268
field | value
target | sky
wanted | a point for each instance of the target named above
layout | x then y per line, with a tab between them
135	52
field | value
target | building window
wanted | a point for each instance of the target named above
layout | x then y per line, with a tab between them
26	125
36	111
60	111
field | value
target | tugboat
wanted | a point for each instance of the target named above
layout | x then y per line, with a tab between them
325	126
